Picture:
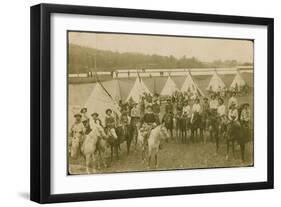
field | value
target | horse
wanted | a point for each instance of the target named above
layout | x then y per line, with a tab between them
123	133
142	143
134	127
239	133
182	126
195	125
154	139
168	121
213	123
90	145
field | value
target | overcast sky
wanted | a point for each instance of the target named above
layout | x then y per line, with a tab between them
205	49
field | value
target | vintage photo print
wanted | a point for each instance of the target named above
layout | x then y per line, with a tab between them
141	102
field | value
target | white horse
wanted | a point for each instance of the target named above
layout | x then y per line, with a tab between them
90	145
156	135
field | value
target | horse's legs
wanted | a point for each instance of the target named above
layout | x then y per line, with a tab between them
233	145
117	146
128	145
217	143
227	148
156	161
111	150
88	162
242	149
149	159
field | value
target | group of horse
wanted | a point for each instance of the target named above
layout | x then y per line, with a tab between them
96	145
220	131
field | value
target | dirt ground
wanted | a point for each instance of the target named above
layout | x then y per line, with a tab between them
172	156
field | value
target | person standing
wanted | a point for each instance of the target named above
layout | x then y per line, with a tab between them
77	127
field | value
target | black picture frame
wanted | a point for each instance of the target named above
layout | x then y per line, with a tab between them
41	98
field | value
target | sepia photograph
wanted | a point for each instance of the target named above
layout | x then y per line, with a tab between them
147	102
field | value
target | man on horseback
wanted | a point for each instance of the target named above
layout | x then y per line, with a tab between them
233	100
245	115
110	123
196	108
96	119
148	122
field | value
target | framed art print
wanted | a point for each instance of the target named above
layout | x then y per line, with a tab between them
133	103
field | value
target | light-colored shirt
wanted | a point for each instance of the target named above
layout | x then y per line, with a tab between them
77	129
221	110
186	110
214	104
135	112
231	101
233	114
245	115
196	108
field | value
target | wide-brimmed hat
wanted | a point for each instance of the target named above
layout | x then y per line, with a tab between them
245	104
77	115
95	114
107	110
83	109
149	106
232	105
220	99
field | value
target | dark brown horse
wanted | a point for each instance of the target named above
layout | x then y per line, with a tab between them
123	134
213	124
196	125
239	133
182	127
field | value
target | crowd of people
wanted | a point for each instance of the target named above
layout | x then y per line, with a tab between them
153	110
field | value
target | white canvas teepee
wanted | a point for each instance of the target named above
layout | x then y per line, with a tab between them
190	86
238	82
113	89
99	101
169	87
139	88
216	84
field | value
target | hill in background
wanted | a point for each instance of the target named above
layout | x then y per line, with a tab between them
84	59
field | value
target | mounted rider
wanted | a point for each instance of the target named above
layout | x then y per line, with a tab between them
110	123
96	119
148	122
196	109
233	100
221	111
84	114
245	115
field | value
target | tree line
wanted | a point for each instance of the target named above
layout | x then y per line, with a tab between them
84	59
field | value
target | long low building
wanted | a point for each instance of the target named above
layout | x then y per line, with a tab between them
127	73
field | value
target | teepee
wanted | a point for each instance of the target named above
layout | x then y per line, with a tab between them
137	91
113	89
216	84
237	83
190	86
169	87
99	101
